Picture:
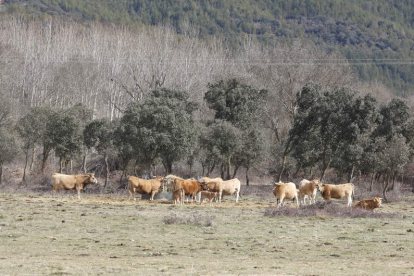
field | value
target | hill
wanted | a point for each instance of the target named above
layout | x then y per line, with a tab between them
375	36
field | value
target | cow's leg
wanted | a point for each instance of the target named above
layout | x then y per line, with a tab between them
152	195
280	202
349	201
133	193
237	196
297	201
220	196
78	191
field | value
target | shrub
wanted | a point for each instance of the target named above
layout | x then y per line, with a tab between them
326	208
194	219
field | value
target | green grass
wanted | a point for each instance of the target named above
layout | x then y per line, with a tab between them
103	236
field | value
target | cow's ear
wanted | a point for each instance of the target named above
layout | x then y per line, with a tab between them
91	174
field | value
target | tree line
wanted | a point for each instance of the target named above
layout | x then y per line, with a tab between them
334	128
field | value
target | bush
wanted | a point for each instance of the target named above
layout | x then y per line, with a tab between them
326	208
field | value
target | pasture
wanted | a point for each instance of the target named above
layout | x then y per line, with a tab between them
107	235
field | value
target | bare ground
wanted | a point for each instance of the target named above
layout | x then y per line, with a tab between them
102	235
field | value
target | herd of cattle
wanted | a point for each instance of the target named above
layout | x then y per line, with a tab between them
216	188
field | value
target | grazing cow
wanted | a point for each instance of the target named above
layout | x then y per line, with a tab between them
71	182
143	186
191	187
178	196
329	191
284	191
207	195
229	187
369	204
308	189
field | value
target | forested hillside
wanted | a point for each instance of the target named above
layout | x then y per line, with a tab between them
376	36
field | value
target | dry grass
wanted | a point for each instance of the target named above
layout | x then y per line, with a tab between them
106	235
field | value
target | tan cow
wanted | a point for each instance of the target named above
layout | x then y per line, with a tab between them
284	191
178	196
207	195
71	182
229	187
329	191
191	187
143	186
206	179
308	189
369	204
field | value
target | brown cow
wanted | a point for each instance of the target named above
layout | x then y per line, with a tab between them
308	189
191	187
229	187
369	204
329	191
143	186
207	195
284	191
178	196
71	182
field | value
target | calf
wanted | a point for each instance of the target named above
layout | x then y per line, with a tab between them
178	196
284	191
329	191
208	195
369	204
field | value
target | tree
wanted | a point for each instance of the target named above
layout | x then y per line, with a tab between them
160	126
8	149
100	135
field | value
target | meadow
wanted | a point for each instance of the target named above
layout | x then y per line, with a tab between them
107	235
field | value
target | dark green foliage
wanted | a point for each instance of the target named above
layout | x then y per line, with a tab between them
8	148
161	126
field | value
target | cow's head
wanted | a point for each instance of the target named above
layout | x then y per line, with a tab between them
160	178
378	202
204	186
92	179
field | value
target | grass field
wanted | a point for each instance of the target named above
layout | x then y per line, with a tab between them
99	235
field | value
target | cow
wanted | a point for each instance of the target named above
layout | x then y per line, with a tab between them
369	204
208	195
178	196
308	189
71	182
191	187
284	191
143	186
229	187
329	191
206	179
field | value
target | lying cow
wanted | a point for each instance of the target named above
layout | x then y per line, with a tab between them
178	196
329	191
284	191
71	182
144	186
369	204
308	189
229	187
208	195
191	187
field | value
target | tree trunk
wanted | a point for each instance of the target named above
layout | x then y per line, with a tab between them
1	174
236	168
44	160
210	170
351	174
60	164
106	171
25	166
283	167
297	171
228	168
384	192
247	177
84	161
393	181
372	180
325	167
222	170
33	159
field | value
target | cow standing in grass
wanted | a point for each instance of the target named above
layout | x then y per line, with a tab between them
229	187
143	186
308	189
284	191
329	191
72	182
